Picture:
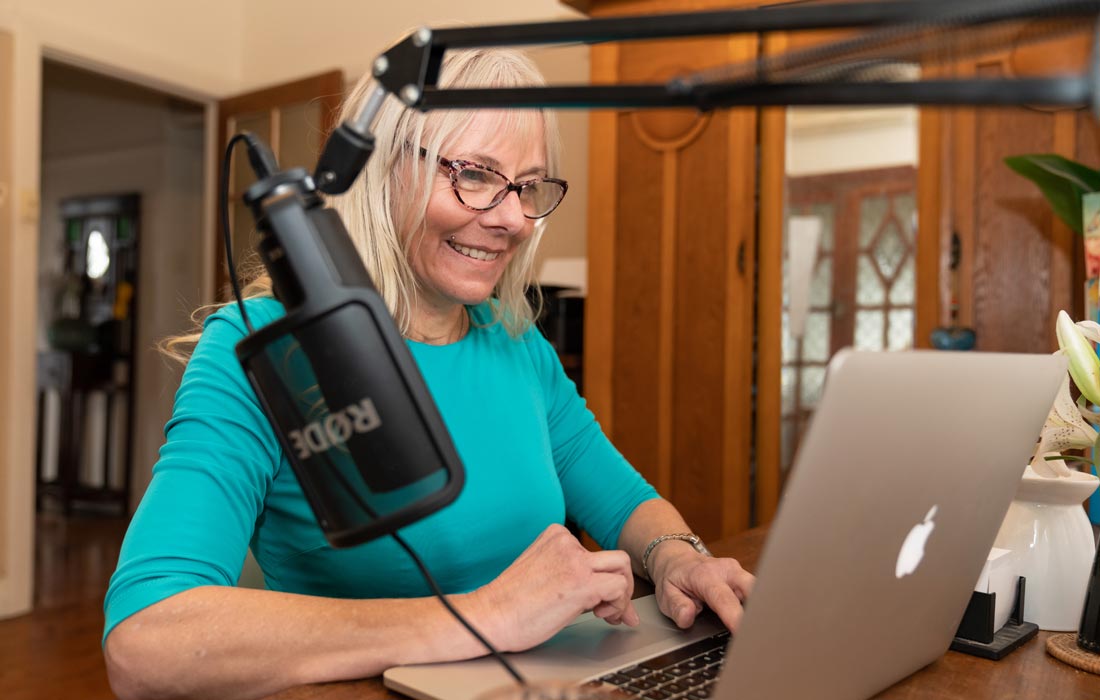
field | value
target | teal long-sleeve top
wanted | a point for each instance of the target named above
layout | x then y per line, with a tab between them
532	452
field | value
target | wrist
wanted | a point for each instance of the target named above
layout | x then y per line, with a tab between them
667	557
482	611
665	548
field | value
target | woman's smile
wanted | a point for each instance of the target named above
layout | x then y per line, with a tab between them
473	252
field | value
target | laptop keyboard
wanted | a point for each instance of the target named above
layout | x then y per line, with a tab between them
688	672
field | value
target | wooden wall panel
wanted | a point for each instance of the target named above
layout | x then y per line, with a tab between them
680	316
1011	290
1020	264
698	403
678	257
603	168
636	303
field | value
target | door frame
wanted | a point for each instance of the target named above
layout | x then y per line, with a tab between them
19	297
769	299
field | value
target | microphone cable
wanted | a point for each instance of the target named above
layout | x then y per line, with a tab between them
264	164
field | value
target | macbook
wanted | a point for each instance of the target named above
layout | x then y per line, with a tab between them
891	507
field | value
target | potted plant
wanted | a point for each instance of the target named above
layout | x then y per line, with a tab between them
1046	528
1062	181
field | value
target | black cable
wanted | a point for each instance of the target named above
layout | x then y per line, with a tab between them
223	204
358	499
266	167
458	616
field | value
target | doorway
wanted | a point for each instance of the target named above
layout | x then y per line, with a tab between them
121	201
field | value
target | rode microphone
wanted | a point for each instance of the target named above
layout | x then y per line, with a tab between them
334	376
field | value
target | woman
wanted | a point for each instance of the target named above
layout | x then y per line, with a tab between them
451	251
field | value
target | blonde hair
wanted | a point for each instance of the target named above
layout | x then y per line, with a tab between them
385	217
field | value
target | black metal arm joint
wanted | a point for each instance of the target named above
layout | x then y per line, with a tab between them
409	65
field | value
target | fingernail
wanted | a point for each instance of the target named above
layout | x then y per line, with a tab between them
632	617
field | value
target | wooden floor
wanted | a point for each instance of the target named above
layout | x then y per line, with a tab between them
53	653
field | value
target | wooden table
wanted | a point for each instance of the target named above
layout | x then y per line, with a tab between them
1028	672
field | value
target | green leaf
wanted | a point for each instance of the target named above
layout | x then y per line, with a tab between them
1062	181
1067	458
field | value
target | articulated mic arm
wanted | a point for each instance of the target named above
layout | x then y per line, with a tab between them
856	71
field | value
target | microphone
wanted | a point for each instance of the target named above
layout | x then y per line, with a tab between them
334	376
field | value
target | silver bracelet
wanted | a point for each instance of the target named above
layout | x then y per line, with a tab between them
688	537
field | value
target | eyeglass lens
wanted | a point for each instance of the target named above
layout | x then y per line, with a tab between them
482	189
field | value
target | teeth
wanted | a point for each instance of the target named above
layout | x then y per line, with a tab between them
473	252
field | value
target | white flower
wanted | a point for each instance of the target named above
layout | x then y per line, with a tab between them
1065	429
1084	366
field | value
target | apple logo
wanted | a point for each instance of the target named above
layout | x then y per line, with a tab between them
912	550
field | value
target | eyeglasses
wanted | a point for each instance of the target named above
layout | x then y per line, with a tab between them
480	188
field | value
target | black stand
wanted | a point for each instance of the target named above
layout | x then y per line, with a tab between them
976	635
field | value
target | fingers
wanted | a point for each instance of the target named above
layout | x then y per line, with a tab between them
612	615
720	584
621	609
679	607
602	580
741	581
725	603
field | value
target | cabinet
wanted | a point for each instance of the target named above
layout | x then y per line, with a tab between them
682	328
1020	264
85	419
669	317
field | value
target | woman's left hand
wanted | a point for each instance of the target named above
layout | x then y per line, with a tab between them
686	581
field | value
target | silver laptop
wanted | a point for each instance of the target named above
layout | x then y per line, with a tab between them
892	506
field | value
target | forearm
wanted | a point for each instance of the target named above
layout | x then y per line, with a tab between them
240	643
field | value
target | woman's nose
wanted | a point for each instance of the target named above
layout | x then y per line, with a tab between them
508	214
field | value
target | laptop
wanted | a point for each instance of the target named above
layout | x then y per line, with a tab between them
891	508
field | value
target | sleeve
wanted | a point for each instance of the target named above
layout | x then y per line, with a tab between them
197	516
601	488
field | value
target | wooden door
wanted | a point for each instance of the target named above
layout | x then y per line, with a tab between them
671	244
778	418
294	119
862	290
1019	264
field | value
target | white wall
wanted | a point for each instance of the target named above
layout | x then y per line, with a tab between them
283	40
829	140
189	47
17	246
205	50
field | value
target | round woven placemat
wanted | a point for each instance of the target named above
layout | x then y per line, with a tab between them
1064	648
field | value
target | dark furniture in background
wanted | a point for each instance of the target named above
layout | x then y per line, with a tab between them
562	322
91	337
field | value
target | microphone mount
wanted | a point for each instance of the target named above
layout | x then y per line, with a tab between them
410	68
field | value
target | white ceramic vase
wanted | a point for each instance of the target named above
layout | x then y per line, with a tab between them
1051	539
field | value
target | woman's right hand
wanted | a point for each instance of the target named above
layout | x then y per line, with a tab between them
553	581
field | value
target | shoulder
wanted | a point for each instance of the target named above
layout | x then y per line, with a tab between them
260	310
223	329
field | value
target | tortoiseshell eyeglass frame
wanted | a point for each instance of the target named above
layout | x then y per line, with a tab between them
454	167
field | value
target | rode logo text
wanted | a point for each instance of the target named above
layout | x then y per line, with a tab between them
335	429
